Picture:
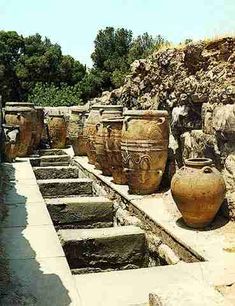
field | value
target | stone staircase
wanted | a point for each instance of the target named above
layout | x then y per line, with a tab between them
84	220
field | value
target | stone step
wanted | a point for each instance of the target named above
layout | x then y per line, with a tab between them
103	248
51	152
81	212
65	187
54	172
55	158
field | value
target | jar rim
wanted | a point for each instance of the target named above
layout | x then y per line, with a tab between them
146	113
202	161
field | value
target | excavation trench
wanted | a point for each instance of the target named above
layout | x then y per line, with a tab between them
87	220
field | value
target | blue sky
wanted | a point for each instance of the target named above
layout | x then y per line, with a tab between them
74	23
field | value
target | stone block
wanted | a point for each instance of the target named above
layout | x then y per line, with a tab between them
56	172
81	212
114	247
65	187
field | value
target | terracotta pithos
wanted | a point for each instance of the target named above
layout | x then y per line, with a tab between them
90	131
11	136
108	111
57	130
144	145
34	121
22	117
198	190
75	130
112	129
39	123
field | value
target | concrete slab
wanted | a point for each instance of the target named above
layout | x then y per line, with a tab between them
56	172
31	242
24	215
42	282
18	171
21	192
132	287
34	270
65	187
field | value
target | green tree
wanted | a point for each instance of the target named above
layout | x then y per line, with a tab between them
11	45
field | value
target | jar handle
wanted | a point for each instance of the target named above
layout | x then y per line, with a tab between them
97	126
101	111
18	115
207	169
126	119
109	129
161	120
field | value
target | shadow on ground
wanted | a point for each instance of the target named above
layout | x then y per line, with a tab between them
22	281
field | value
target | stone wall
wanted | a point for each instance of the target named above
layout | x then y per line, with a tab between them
196	84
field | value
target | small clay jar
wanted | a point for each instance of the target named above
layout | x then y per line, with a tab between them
76	130
57	130
198	190
11	136
112	129
22	117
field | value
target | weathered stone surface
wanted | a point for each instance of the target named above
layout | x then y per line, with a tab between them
65	187
86	212
184	294
113	247
55	158
43	173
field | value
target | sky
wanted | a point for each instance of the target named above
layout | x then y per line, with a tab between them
73	24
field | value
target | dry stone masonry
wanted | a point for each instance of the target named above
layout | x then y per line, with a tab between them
196	84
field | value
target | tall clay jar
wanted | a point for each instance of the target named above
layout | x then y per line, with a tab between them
112	129
108	111
34	121
39	123
198	190
90	131
75	130
22	117
10	142
57	129
145	137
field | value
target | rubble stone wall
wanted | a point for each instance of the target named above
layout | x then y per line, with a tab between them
196	84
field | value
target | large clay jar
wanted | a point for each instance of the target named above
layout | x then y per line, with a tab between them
39	123
75	130
108	111
11	136
34	121
90	131
198	190
57	130
112	129
22	117
144	145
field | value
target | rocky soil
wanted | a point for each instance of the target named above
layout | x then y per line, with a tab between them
196	84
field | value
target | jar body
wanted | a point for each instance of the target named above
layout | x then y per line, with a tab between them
112	140
198	191
108	111
76	132
144	146
57	130
22	117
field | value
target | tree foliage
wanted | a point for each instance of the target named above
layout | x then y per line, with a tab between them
34	68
